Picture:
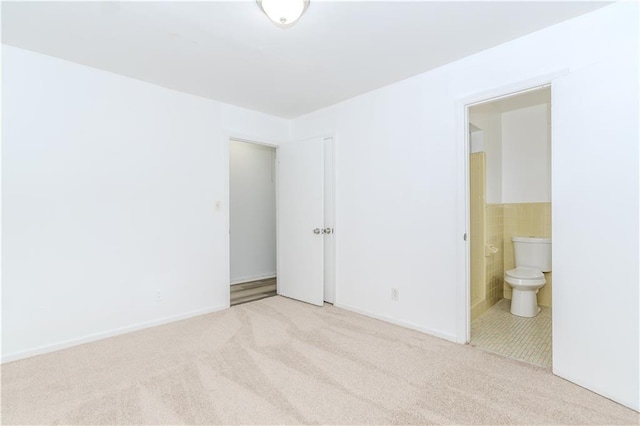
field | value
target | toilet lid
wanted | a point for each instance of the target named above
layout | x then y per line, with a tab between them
525	273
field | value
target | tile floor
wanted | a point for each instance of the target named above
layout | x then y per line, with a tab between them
526	339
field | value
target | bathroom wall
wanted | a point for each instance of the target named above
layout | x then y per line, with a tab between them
517	136
490	123
477	185
494	262
526	154
526	183
526	219
486	229
476	139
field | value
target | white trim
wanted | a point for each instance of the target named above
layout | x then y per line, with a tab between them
106	334
323	136
336	221
255	139
463	314
463	310
436	333
635	405
510	89
250	278
510	94
330	221
245	140
228	137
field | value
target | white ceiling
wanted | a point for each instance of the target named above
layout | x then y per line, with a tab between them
230	51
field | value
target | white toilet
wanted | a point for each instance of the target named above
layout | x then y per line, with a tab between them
533	257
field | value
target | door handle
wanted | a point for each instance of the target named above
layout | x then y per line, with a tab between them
316	231
327	231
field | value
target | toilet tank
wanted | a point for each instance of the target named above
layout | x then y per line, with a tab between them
533	252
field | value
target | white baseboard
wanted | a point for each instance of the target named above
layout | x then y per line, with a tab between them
247	279
437	333
634	405
105	334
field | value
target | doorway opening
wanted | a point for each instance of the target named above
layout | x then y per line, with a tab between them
252	221
509	210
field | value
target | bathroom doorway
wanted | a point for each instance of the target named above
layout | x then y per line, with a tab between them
509	203
252	221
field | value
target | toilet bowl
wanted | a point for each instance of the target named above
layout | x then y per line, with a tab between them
533	257
525	283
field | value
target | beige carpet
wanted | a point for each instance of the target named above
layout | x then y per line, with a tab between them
281	361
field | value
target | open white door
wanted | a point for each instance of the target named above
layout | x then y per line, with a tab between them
595	181
301	220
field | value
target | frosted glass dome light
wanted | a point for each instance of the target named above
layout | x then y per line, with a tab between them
283	12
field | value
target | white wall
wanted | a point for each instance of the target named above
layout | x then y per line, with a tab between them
476	141
109	191
109	188
517	144
252	207
526	155
255	126
491	125
399	165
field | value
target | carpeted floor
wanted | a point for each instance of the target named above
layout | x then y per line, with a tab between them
281	361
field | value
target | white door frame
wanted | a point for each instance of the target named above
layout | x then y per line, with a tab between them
463	276
235	137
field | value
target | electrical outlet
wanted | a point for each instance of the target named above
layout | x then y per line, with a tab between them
158	296
394	294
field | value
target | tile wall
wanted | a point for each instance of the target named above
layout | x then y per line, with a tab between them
524	220
495	224
477	176
494	263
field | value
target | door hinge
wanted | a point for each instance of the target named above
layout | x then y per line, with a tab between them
465	236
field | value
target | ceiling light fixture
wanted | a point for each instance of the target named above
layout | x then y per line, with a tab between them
284	13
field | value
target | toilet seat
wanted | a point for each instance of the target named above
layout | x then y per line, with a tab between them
524	275
525	283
